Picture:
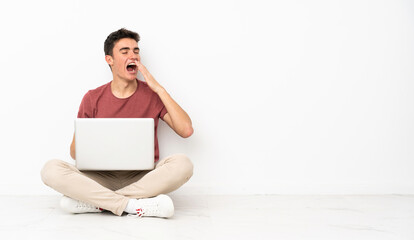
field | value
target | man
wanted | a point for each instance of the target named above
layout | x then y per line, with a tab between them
138	193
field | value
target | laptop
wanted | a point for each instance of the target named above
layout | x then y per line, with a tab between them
114	143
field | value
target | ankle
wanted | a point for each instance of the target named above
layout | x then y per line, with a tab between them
131	207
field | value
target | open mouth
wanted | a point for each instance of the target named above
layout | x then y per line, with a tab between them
131	68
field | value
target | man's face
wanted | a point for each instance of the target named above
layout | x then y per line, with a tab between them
124	59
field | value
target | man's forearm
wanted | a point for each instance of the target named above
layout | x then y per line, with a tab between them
72	148
73	153
180	120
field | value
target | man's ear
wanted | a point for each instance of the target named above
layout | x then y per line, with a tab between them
109	60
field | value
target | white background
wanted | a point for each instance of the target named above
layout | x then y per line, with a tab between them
297	97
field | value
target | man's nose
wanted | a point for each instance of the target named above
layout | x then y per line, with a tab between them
134	58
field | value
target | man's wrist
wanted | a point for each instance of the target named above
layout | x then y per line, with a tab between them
160	91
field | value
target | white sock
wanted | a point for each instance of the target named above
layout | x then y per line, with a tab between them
131	206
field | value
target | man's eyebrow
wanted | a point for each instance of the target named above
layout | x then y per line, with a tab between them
127	48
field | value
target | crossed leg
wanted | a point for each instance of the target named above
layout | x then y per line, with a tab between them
111	190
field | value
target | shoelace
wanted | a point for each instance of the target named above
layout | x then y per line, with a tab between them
154	211
139	213
86	206
151	209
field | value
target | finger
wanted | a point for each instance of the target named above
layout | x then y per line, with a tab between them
139	64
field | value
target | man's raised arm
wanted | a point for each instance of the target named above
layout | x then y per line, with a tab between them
176	117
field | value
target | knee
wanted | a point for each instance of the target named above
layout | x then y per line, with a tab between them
186	167
50	171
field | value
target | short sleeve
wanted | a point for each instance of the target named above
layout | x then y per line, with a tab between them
85	108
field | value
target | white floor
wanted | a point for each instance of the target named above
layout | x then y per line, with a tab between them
254	217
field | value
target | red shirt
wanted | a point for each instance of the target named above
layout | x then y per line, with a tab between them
143	103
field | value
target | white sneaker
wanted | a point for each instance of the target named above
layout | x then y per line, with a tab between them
159	206
74	206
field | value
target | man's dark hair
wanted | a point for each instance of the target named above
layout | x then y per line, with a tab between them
116	36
